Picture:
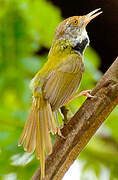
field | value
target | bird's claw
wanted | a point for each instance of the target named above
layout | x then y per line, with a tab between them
86	93
59	132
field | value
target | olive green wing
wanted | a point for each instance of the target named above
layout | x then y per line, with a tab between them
62	83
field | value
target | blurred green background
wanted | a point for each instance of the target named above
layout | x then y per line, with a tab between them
27	27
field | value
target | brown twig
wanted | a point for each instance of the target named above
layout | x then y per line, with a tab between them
82	126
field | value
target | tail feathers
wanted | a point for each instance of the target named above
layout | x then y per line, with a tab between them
29	133
36	131
51	123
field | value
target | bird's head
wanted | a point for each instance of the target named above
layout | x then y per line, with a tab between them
73	30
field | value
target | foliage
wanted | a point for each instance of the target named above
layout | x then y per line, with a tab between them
25	27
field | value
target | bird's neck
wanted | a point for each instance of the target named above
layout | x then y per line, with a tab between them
60	49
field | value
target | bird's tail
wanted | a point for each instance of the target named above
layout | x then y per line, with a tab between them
36	133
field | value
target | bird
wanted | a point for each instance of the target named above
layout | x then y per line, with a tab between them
56	83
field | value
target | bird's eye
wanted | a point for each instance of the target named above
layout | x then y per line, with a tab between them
75	22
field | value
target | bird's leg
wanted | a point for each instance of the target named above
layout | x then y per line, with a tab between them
83	93
58	126
64	111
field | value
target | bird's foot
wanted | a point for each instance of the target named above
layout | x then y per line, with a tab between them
83	93
59	131
86	93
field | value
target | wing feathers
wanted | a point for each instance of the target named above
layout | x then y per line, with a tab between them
63	82
60	88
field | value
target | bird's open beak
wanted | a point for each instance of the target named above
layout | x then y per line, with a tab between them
91	15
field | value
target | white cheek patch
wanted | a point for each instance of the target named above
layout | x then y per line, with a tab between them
83	36
79	36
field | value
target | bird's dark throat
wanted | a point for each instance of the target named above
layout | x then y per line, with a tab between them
81	46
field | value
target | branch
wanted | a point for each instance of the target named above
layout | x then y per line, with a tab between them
82	126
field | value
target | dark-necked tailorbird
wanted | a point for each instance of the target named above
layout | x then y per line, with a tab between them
55	84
